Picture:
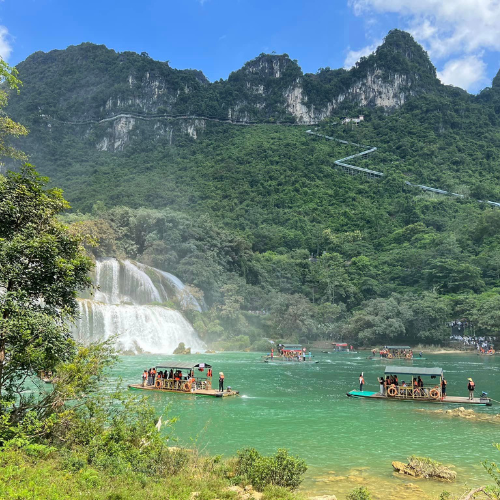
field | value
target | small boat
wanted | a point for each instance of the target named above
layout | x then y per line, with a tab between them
343	348
431	394
185	378
396	352
489	352
289	354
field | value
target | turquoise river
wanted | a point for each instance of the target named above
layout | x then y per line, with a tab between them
346	442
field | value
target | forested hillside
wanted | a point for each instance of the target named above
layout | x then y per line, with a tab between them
257	216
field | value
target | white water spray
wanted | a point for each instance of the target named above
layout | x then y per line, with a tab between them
127	304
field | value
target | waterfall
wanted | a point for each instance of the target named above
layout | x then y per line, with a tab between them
128	304
186	298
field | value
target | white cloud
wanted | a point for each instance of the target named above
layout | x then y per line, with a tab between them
353	56
445	27
5	46
468	72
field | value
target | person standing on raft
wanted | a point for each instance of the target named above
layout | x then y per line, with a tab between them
361	382
471	386
443	388
221	382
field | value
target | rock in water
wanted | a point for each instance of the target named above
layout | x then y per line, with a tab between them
182	349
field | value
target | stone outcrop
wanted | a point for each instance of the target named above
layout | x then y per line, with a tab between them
182	349
424	468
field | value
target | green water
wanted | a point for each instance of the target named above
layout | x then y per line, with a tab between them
304	408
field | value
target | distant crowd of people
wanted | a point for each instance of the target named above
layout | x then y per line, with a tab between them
480	343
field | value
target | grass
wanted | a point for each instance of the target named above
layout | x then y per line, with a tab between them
23	477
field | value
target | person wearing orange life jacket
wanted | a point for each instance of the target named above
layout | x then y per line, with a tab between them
361	382
221	382
471	386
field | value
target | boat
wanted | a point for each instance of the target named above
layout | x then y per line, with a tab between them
343	348
185	378
430	394
289	353
489	352
395	352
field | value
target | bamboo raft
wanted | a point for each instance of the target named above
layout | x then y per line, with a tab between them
457	400
196	392
414	392
196	380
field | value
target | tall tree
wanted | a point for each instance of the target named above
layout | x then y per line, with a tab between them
42	266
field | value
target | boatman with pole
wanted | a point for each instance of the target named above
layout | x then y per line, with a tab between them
471	386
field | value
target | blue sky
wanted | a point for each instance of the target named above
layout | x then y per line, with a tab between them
219	36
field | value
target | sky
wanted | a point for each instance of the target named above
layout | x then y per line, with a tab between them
462	37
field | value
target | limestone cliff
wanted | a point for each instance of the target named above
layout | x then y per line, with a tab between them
112	98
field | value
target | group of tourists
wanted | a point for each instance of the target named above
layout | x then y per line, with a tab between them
395	353
392	381
151	377
296	353
295	356
418	385
482	344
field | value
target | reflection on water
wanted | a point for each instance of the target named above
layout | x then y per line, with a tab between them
346	442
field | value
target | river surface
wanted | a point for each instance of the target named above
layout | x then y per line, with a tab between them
346	442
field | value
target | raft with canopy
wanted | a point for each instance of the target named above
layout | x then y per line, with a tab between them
396	352
429	391
184	378
289	353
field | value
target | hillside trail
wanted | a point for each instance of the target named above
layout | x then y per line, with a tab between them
374	174
352	169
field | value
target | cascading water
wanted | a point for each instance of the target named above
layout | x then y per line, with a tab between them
126	305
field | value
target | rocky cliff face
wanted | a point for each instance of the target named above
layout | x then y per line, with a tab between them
112	99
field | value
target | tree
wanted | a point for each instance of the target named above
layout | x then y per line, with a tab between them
8	127
42	267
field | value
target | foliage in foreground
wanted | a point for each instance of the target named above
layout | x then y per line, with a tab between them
83	439
280	469
360	493
42	267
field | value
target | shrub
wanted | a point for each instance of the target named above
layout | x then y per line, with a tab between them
281	469
360	493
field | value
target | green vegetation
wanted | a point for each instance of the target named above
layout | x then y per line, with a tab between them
360	493
42	267
281	469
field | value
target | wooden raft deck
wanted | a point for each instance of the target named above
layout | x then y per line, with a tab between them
456	400
197	392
